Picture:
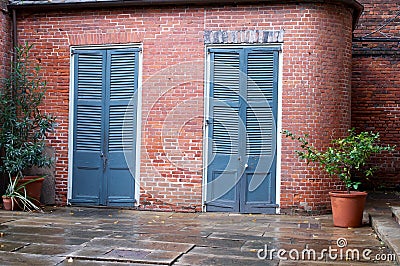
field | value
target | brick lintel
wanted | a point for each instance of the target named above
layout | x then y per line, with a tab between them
243	36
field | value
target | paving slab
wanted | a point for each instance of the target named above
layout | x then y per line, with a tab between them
251	254
44	239
44	249
79	262
11	246
139	244
36	231
200	241
11	259
207	259
126	255
236	236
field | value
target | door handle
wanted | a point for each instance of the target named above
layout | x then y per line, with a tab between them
246	165
105	163
104	160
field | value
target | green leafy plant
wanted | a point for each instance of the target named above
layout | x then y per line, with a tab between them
24	126
345	157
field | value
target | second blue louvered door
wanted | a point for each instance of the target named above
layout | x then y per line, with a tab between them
105	97
241	167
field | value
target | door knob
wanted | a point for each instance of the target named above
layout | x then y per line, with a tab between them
104	160
246	165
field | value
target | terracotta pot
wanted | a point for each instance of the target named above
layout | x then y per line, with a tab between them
347	208
8	204
34	189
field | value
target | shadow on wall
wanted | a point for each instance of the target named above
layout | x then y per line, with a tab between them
48	190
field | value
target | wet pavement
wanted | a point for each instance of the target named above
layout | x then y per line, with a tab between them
99	236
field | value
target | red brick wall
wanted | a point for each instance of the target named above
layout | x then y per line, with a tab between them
316	99
315	88
5	52
376	84
5	39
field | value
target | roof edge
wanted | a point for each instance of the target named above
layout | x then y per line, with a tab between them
50	5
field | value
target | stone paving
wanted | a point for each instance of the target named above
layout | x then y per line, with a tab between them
99	236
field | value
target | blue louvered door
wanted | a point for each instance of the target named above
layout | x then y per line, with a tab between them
224	171
89	87
242	131
105	97
260	93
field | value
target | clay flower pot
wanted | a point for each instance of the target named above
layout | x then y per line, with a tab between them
8	203
347	208
33	187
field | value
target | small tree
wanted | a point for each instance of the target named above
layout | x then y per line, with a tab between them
345	157
24	126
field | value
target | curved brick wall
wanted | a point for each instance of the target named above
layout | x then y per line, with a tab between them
316	100
315	87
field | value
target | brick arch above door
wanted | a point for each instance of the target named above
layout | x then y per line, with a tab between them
106	37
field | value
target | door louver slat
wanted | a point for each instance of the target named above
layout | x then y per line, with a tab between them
88	131
260	77
226	84
90	86
90	77
259	128
226	130
122	89
226	77
122	83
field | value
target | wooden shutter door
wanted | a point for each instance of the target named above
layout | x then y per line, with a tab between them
105	87
224	158
89	87
242	130
121	130
258	186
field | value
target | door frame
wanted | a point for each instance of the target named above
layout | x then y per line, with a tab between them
71	114
207	75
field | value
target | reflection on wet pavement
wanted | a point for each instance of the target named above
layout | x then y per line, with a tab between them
98	236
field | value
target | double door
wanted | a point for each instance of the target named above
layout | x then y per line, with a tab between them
241	166
105	88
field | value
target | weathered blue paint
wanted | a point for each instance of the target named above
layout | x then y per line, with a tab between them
241	172
105	106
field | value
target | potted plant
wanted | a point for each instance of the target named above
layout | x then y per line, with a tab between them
24	126
346	158
16	196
